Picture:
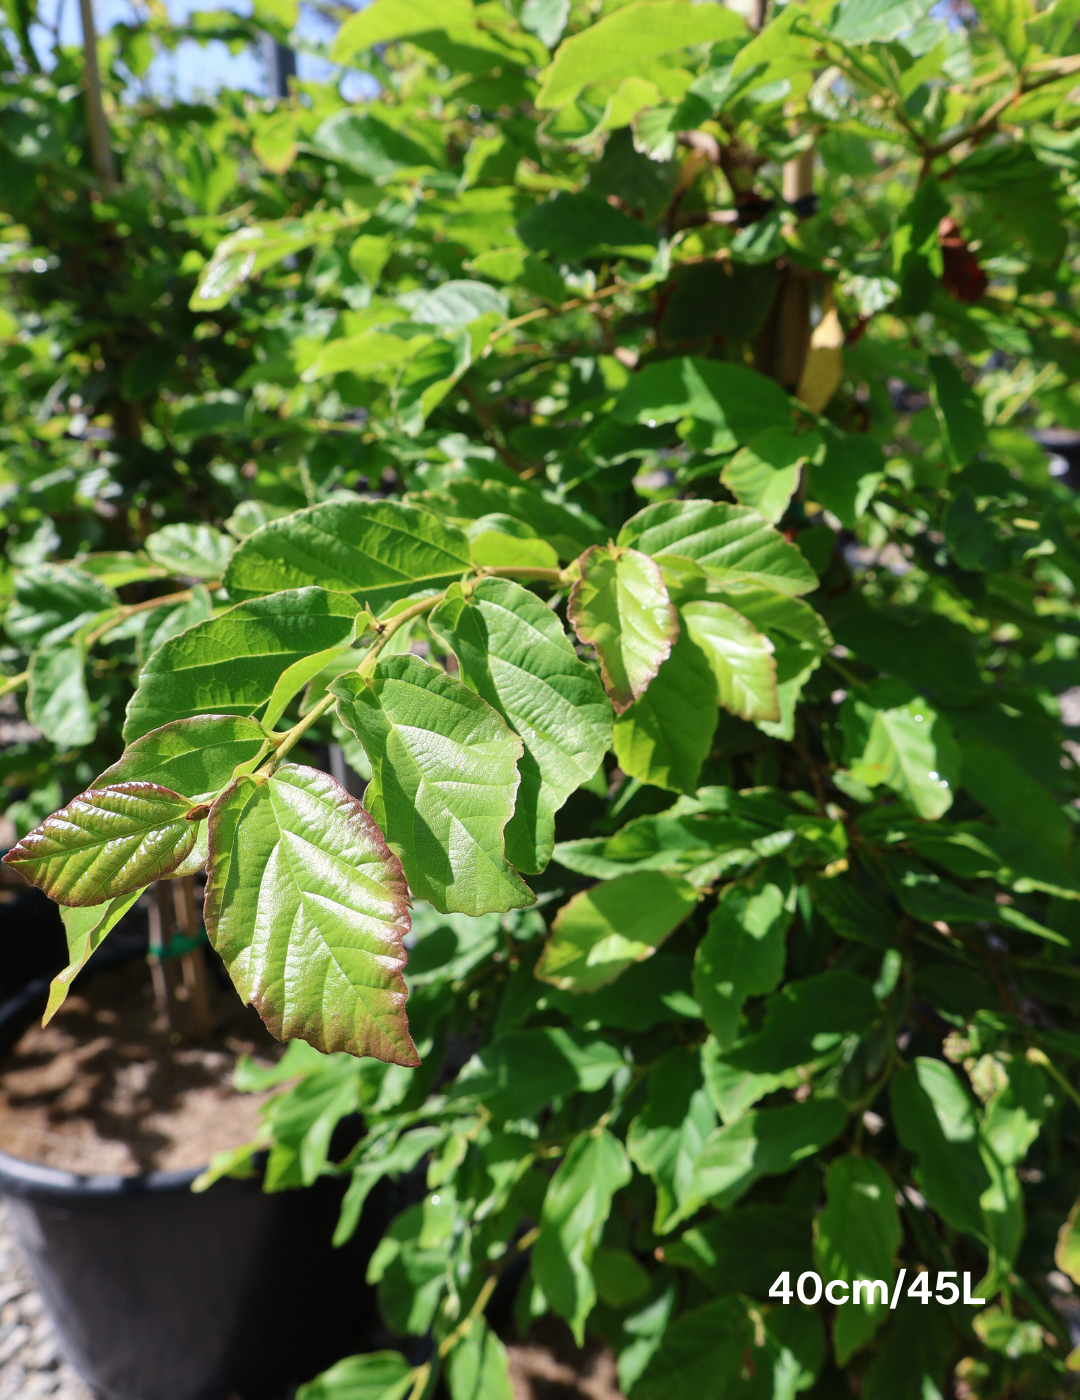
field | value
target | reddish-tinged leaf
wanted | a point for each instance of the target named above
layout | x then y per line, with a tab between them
106	842
621	605
308	908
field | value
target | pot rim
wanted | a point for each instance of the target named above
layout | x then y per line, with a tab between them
35	1181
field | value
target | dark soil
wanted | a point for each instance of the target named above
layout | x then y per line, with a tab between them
105	1088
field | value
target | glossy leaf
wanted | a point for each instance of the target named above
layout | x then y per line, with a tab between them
742	953
194	756
444	782
733	401
800	639
193	551
232	663
376	1375
895	737
377	550
636	33
85	929
729	543
601	931
514	653
106	842
856	1237
740	656
621	606
576	1208
666	736
764	474
299	876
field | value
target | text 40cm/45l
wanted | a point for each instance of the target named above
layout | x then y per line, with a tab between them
809	1288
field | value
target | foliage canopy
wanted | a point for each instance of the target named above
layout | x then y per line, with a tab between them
616	436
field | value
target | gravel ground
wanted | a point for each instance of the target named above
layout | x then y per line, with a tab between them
30	1360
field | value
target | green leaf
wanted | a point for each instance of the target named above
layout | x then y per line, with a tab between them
51	602
935	1119
478	1368
1067	1249
995	777
106	842
520	1072
893	736
735	402
845	480
396	19
666	736
800	639
428	377
601	931
377	1375
729	543
299	875
806	1020
567	531
85	929
687	839
721	1350
764	1142
646	994
411	1265
444	780
876	21
744	1251
576	1208
959	412
856	1236
233	663
624	41
931	653
571	227
194	756
854	912
740	656
513	652
379	550
621	606
159	624
456	303
193	551
765	473
666	1137
370	147
914	1359
58	702
742	953
497	548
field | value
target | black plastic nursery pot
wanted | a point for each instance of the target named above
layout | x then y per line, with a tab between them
161	1294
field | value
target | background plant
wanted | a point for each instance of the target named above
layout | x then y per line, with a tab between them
722	601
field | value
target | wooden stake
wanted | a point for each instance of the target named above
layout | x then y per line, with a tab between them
100	147
192	964
157	921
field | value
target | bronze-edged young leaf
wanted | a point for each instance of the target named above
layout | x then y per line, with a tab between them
85	929
514	653
620	604
308	908
601	931
106	842
197	756
443	785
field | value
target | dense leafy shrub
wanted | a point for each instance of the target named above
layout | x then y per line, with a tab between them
680	571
